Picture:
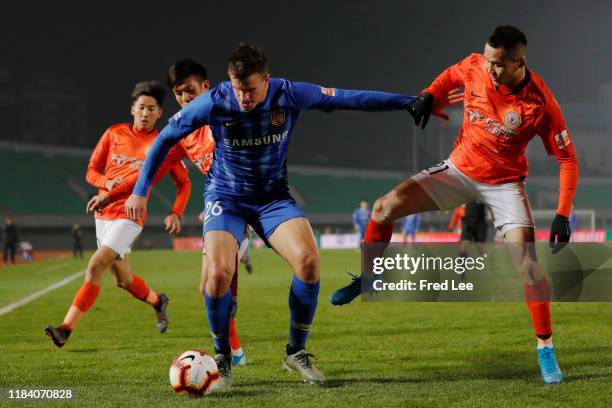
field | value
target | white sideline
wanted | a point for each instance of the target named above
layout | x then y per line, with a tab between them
53	268
12	306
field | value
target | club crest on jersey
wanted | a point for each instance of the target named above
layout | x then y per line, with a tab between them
328	91
278	117
512	120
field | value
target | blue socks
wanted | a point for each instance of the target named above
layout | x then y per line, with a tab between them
218	311
303	298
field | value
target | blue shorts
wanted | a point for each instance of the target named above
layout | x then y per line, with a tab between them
362	233
229	213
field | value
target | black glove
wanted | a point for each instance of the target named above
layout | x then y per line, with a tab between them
420	108
559	233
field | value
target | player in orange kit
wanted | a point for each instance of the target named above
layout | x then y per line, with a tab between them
505	106
456	221
119	155
188	79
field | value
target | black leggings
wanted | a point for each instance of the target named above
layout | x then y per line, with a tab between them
9	248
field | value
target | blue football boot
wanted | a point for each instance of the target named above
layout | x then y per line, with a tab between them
551	373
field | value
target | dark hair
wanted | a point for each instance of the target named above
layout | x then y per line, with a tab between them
246	61
184	69
149	88
507	37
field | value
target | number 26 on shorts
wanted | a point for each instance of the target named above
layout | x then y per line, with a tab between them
212	209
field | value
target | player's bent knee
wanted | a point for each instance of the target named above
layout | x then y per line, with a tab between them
307	265
219	267
377	209
217	286
382	211
95	269
203	275
219	277
122	283
529	271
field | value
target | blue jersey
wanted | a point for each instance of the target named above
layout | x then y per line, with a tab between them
411	223
361	218
250	157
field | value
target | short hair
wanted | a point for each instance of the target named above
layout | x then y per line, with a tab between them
183	69
246	61
507	37
149	88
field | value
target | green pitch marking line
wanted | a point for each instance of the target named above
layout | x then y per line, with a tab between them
25	300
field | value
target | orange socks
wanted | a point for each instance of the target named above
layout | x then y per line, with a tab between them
83	301
538	301
233	338
138	288
376	232
86	296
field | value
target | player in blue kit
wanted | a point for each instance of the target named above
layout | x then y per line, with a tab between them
361	216
252	117
410	226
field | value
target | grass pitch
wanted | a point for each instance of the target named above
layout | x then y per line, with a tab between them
373	354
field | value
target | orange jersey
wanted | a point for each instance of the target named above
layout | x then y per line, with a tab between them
198	146
121	152
498	123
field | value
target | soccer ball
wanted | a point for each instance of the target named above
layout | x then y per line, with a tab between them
193	372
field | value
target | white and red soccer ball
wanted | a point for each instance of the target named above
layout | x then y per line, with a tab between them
193	372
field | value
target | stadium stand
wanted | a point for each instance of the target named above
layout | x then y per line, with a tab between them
337	194
34	184
50	182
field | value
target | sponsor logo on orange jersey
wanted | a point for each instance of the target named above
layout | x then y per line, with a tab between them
122	159
490	125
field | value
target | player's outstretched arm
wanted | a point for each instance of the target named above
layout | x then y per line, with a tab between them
560	231
190	118
136	204
421	109
180	177
551	127
176	154
441	93
97	162
311	96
